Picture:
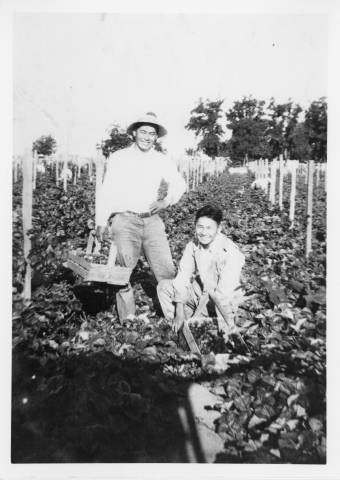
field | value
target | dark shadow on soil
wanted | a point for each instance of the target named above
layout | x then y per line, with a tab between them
97	407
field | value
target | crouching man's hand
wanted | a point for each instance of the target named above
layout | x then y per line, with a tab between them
179	318
99	233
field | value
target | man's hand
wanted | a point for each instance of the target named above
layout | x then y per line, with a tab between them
179	318
99	233
178	324
157	206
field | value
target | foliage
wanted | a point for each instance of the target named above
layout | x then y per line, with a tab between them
282	125
204	122
60	219
300	149
44	145
316	129
247	121
118	139
89	389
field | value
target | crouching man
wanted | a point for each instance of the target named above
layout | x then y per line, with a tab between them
209	273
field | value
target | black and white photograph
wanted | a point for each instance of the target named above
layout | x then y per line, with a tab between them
170	174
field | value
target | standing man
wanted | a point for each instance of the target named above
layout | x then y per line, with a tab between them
129	195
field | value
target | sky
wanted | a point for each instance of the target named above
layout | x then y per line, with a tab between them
75	74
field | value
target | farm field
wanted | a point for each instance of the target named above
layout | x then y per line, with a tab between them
88	389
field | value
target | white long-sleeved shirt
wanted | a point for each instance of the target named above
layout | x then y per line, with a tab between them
132	181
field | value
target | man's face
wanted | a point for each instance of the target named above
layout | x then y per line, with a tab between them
145	137
206	230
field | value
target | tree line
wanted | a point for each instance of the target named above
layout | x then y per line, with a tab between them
258	130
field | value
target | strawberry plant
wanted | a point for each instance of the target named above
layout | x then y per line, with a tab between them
115	389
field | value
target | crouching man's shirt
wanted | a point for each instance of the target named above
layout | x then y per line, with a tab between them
217	268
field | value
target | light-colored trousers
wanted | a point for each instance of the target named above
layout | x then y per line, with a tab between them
193	293
133	236
166	296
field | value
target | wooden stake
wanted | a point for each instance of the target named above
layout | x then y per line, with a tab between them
293	192
317	167
281	182
27	192
272	190
17	164
91	169
34	168
79	169
266	176
57	169
309	207
65	173
99	177
14	160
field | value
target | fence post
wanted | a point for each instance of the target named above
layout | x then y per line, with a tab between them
309	207
317	168
99	177
34	168
281	182
79	168
91	169
15	169
293	192
27	192
272	190
58	157
65	173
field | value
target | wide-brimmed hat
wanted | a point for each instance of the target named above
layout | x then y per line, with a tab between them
151	119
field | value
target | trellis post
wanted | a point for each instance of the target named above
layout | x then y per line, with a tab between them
34	167
91	169
317	168
75	170
293	191
188	175
309	207
27	192
272	190
99	177
281	182
79	169
15	169
58	157
65	174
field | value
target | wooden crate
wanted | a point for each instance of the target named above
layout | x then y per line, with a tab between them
93	272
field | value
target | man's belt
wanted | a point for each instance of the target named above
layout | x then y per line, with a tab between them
140	215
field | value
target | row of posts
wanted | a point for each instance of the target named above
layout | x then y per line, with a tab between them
195	168
266	175
68	168
29	172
